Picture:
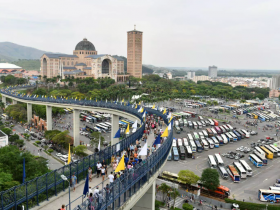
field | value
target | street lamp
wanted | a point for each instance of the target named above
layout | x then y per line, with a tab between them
63	177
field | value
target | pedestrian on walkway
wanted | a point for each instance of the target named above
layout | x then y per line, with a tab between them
74	181
62	207
90	173
111	177
98	166
103	173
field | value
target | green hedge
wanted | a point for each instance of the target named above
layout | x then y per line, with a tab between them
158	204
253	206
50	150
37	142
187	206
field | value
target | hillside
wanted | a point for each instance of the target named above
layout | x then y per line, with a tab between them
12	52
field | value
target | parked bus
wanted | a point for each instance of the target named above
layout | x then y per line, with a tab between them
222	129
211	161
268	154
190	137
276	149
210	132
247	134
205	133
205	144
269	195
221	140
255	160
195	126
179	142
214	131
261	157
211	143
237	134
175	153
229	126
198	146
195	136
216	142
223	172
233	136
185	141
274	152
242	172
219	159
174	143
211	122
199	124
225	139
193	146
248	169
218	130
169	156
190	124
233	173
182	152
216	123
274	188
225	127
230	138
189	151
201	136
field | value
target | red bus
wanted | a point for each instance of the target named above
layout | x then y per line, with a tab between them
192	113
216	123
233	173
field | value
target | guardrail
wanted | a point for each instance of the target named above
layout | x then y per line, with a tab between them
118	192
33	192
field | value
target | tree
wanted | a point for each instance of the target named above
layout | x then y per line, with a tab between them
187	206
174	193
62	138
95	140
14	138
7	131
242	101
80	150
260	96
210	179
188	176
6	181
164	188
17	112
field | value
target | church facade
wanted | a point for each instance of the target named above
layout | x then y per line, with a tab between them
85	62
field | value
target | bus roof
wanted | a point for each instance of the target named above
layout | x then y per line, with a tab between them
233	170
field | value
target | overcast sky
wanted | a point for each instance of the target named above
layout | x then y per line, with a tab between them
240	34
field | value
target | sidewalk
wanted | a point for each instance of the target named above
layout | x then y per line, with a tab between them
63	197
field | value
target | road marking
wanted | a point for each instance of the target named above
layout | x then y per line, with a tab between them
265	180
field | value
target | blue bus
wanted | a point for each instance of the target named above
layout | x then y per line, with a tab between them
261	118
269	195
198	146
175	153
255	160
237	134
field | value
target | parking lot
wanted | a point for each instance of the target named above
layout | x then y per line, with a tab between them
246	189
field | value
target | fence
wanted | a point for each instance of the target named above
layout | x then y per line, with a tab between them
117	193
33	192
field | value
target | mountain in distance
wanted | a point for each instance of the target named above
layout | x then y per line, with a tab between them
11	52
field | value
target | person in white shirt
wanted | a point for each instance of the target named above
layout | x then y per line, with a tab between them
98	166
96	191
111	177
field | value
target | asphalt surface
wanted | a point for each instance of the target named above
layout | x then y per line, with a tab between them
246	189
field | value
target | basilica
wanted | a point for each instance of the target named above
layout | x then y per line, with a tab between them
85	62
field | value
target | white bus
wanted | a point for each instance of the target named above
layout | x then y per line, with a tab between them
211	143
219	159
229	126
205	144
246	167
230	138
242	172
260	152
247	134
276	149
216	142
189	151
226	128
186	143
211	122
174	143
275	152
201	135
222	129
214	131
195	125
102	127
255	160
195	135
211	161
223	172
205	133
199	124
193	146
233	136
190	137
274	188
109	124
179	142
224	138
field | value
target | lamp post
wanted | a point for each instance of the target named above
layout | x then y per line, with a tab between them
65	179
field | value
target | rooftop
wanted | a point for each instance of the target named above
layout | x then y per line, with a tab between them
9	66
51	55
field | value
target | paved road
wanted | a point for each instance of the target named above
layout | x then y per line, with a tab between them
248	188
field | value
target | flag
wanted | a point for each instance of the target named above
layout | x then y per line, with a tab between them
165	133
121	165
144	115
99	144
164	111
136	106
139	103
86	187
69	155
118	134
153	106
23	174
170	126
127	129
169	116
143	150
134	124
122	100
157	141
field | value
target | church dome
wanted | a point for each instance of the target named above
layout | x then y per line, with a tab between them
85	45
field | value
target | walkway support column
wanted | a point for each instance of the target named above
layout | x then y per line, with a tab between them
115	128
4	100
49	117
147	201
29	112
14	101
76	127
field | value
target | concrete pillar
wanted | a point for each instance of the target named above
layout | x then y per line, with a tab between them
14	101
49	117
4	100
114	129
29	112
76	127
147	202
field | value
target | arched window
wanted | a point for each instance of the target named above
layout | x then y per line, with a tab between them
80	52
